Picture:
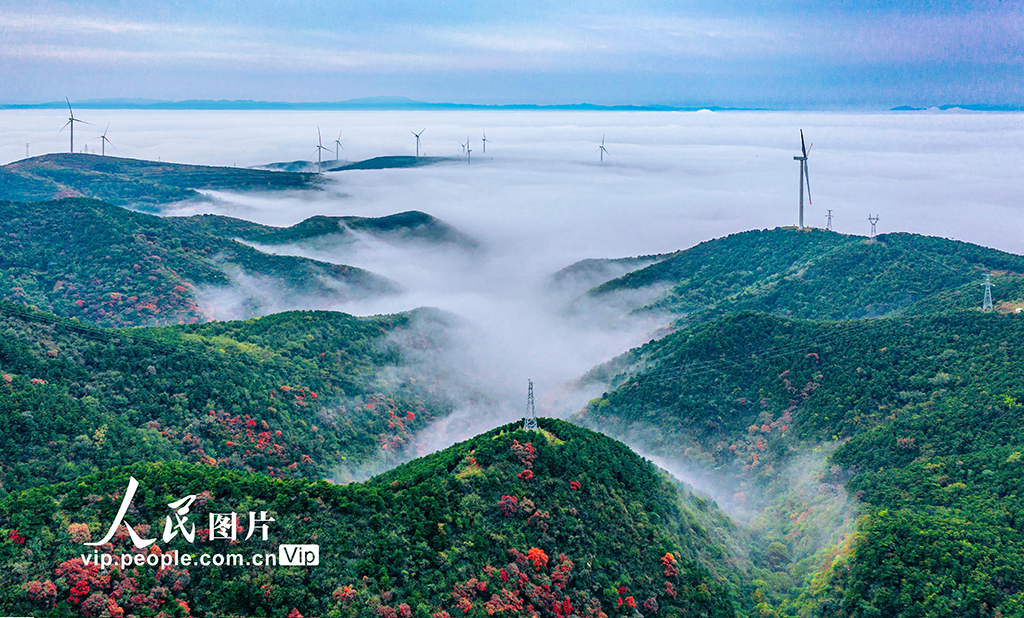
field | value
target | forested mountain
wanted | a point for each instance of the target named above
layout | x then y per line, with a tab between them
114	267
555	523
132	182
925	412
290	395
818	274
376	163
579	277
405	227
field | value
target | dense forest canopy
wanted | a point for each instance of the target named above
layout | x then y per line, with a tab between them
926	414
293	395
556	522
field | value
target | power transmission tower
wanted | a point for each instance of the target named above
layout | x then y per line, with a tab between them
530	422
873	221
828	226
987	304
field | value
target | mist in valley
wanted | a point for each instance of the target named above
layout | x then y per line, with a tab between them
540	200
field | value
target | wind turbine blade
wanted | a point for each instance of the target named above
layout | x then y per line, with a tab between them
64	127
802	147
807	177
69	107
105	130
422	131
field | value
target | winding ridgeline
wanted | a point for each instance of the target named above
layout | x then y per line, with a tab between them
135	183
110	266
817	274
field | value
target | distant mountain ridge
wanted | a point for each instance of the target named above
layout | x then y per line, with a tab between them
134	183
411	226
382	103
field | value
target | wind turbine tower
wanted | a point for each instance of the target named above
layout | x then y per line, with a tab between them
319	151
418	140
469	151
804	177
485	140
71	123
602	150
104	141
530	421
337	145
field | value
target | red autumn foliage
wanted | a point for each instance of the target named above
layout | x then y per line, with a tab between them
526	475
538	557
669	562
526	452
575	485
508	505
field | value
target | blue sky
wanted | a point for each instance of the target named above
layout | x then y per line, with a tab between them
798	54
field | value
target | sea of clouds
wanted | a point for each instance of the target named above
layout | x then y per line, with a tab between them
541	199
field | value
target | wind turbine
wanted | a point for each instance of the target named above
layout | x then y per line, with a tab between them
485	140
337	145
464	146
469	151
805	177
602	149
319	149
418	140
104	141
71	122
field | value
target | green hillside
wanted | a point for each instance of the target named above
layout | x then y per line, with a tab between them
404	227
585	274
926	416
376	163
558	522
817	274
114	267
388	162
133	182
290	395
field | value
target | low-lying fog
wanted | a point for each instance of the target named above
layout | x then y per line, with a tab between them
540	199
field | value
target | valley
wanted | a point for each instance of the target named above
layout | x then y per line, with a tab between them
770	422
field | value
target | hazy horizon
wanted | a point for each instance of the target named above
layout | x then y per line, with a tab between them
765	54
